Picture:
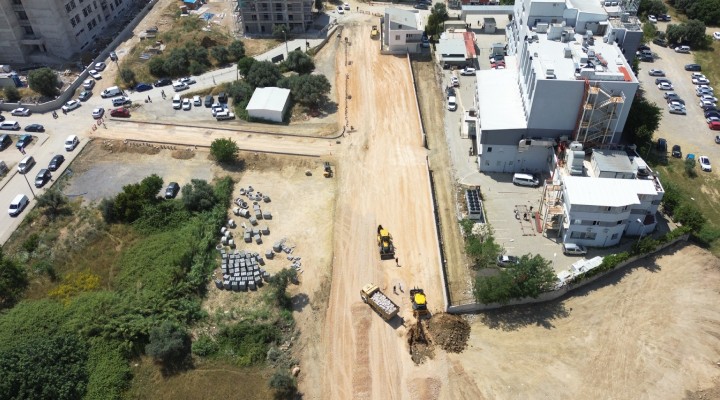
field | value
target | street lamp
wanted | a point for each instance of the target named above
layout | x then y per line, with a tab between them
286	45
642	231
28	183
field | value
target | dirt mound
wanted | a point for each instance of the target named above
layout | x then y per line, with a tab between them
420	347
449	331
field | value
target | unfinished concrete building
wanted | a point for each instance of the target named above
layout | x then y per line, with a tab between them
259	17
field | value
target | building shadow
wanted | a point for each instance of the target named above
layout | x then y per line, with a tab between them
518	317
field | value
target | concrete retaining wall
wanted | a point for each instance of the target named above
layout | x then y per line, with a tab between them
555	294
70	91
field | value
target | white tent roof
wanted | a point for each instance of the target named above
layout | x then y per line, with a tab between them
269	98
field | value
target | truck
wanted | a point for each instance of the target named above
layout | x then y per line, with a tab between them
377	300
374	32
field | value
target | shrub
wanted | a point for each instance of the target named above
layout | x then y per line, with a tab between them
690	216
263	74
224	150
530	277
244	64
12	95
128	76
220	54
283	384
299	62
198	195
13	280
169	343
236	50
43	81
690	168
205	346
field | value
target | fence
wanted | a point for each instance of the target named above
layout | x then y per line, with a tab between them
70	91
555	294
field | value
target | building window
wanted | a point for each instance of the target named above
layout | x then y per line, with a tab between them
29	30
254	17
22	15
619	222
72	22
278	17
278	7
397	37
489	149
290	17
614	236
266	17
77	18
94	4
18	2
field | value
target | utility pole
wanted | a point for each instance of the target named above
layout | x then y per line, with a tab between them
28	183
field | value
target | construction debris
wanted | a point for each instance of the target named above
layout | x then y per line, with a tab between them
448	331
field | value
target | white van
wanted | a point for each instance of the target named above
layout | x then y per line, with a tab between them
525	180
18	204
10	126
452	103
112	91
177	102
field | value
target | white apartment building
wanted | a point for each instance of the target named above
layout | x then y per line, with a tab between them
50	31
259	17
566	79
402	31
615	194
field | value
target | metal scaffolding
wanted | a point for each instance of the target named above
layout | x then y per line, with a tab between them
599	115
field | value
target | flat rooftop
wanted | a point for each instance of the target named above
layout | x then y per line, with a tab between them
607	192
598	62
500	105
588	6
613	161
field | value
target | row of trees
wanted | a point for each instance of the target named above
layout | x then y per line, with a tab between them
691	33
194	59
707	11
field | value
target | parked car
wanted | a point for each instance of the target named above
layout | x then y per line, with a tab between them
340	10
468	71
71	142
498	65
700	81
71	105
716	35
712	119
677	108
34	128
120	101
676	151
449	91
113	56
121	112
217	108
705	163
197	102
21	112
454	81
662	80
88	84
717	139
2	118
346	6
664	17
23	141
572	249
712	113
496	58
693	67
18	204
100	66
708	97
179	86
421	6
96	75
662	145
163	82
652	19
172	190
186	105
675	99
98	113
143	87
660	42
209	100
647	57
665	86
507	261
705	103
642	47
42	177
84	95
26	164
714	125
667	95
56	162
682	49
187	80
5	141
656	72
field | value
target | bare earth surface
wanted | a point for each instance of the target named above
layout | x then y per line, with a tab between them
385	182
649	332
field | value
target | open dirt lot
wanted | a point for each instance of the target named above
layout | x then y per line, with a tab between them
648	332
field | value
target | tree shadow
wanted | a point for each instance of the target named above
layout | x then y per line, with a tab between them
299	301
517	317
327	109
237	166
174	367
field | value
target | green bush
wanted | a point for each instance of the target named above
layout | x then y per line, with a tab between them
283	384
109	371
12	95
13	280
205	347
224	150
198	195
247	342
169	343
530	277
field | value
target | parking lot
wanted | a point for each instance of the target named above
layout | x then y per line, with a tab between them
689	131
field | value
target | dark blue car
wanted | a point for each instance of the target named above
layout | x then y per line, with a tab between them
141	87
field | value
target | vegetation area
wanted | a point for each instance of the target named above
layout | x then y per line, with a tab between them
706	11
438	15
86	290
44	81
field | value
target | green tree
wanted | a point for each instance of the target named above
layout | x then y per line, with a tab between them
224	150
674	33
672	198
128	76
690	168
440	9
690	216
279	283
198	195
283	384
169	343
220	53
244	65
642	113
649	31
280	31
695	34
308	90
43	81
156	66
12	95
652	7
44	367
300	62
263	74
128	204
239	91
177	62
530	277
13	281
53	203
236	50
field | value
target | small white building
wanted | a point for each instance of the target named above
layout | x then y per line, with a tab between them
269	103
402	31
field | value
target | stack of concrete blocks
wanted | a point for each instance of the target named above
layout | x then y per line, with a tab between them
241	271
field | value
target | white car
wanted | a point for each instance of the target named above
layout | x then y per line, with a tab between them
89	84
100	66
704	89
656	72
676	108
697	75
71	105
187	80
652	19
454	81
197	102
665	86
668	94
20	112
186	104
346	6
340	10
700	81
706	103
217	108
468	71
98	112
705	163
71	142
96	75
180	86
708	97
716	35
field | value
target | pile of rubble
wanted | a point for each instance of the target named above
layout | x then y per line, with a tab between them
450	332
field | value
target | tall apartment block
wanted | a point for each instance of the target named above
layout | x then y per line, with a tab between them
50	31
258	17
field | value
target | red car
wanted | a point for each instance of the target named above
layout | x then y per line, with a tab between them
120	112
714	125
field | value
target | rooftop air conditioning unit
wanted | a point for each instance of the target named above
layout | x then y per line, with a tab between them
577	146
550	73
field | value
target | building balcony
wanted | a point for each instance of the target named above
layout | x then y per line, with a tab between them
31	40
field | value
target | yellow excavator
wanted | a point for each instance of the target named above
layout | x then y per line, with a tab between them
385	243
419	302
374	32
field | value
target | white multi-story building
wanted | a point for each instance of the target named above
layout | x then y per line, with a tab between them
566	78
402	31
613	195
49	31
259	17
